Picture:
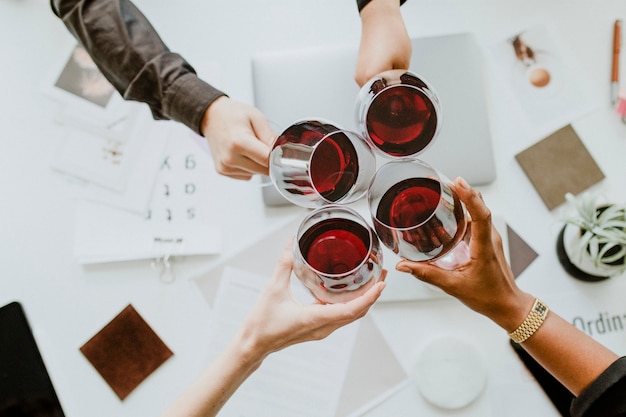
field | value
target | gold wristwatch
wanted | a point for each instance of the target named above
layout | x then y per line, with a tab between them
531	323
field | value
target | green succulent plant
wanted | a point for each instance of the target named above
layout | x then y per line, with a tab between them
603	231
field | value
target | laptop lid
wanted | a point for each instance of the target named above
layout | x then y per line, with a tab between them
290	85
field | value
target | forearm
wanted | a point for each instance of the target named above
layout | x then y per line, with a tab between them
570	355
385	44
131	55
382	13
206	396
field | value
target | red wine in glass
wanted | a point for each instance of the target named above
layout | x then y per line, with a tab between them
335	246
334	167
410	219
398	113
315	163
337	255
401	120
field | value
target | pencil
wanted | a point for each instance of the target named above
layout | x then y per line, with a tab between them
617	35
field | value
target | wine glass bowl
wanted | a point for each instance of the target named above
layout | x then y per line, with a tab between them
417	215
337	255
398	113
313	163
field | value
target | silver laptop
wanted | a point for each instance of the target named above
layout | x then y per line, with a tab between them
290	85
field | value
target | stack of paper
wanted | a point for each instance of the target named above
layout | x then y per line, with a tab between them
110	145
139	198
179	219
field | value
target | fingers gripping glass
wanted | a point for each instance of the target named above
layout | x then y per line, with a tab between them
417	215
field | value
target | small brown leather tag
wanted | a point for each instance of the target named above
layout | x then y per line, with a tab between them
126	351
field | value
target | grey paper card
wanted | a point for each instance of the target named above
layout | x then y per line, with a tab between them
558	164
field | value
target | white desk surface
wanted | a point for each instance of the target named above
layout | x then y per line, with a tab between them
67	303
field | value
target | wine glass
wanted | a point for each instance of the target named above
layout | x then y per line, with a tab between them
337	255
417	215
398	113
313	163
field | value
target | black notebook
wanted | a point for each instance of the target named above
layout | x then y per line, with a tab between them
25	386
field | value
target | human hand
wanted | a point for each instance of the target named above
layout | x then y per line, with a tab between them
239	136
278	320
385	43
485	283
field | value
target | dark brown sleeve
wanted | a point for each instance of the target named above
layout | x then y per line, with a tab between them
132	56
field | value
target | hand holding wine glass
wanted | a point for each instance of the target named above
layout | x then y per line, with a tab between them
417	214
485	283
385	42
276	322
239	136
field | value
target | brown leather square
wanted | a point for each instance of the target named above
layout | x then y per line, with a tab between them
558	164
126	351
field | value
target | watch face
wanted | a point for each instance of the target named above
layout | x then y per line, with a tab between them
541	308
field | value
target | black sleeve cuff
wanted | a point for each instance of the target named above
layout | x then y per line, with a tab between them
362	3
604	396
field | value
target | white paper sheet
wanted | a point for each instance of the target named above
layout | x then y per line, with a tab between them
180	219
303	380
86	98
566	94
99	160
599	311
140	182
101	143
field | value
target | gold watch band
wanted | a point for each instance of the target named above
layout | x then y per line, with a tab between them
531	323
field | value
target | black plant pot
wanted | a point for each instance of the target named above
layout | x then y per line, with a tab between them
569	266
577	270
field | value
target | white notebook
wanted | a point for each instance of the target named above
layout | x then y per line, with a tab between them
180	220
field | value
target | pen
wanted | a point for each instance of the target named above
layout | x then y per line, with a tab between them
617	35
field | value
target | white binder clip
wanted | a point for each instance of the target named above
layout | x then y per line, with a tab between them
165	262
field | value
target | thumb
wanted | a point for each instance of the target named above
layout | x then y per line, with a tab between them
262	128
424	272
284	266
